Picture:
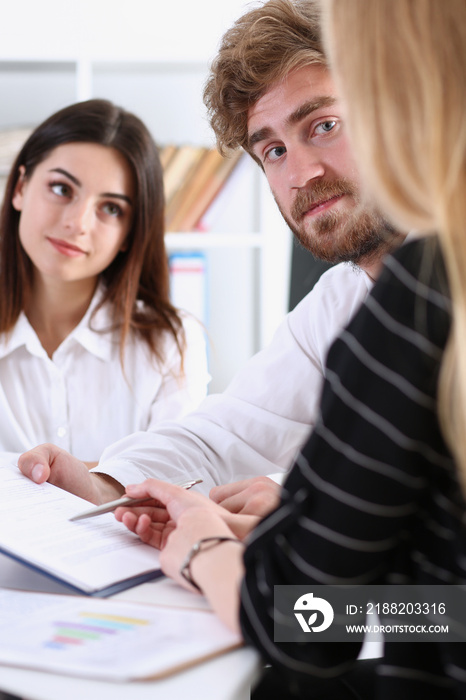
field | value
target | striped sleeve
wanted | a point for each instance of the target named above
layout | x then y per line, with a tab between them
358	487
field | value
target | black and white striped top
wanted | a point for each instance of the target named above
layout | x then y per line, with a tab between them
373	497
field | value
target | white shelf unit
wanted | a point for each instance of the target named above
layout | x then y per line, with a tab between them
248	246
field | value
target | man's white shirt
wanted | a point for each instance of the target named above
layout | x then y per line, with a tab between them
256	426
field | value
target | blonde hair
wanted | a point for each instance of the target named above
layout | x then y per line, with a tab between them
400	65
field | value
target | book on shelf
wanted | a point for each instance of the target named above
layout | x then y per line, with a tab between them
222	200
212	189
97	556
192	179
192	158
178	169
188	283
182	219
166	153
108	640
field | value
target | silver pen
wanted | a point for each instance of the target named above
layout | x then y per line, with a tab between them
126	501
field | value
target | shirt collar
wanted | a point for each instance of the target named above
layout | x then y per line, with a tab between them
90	333
22	335
103	345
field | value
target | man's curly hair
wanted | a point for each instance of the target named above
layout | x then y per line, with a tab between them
261	48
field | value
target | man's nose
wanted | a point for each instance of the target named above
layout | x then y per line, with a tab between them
304	165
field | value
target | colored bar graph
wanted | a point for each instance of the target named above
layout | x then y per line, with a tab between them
92	628
116	619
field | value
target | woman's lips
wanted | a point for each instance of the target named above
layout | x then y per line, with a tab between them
65	248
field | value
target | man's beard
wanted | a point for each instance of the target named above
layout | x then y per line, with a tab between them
357	236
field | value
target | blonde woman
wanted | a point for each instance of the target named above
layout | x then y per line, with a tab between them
410	136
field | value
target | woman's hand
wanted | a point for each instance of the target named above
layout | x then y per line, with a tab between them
189	517
154	524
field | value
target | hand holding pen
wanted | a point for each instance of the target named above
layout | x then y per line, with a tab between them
125	501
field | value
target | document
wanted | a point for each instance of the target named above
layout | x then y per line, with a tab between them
98	556
105	639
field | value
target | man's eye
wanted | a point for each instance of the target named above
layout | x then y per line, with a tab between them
60	189
112	209
275	153
326	127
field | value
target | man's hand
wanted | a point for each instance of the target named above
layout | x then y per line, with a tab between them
257	496
50	463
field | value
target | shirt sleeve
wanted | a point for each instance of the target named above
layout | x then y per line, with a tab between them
261	420
355	488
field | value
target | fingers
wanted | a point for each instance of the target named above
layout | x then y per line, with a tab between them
159	490
139	524
144	528
35	464
219	493
156	512
236	496
150	532
236	503
175	498
257	496
127	517
50	463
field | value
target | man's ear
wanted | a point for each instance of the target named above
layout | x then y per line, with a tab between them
17	199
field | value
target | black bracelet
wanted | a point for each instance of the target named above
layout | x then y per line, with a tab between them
185	569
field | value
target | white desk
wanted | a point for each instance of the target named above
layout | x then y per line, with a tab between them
227	677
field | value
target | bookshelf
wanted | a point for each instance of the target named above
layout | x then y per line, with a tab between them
247	246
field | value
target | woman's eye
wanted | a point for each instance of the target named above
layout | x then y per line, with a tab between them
326	127
61	189
275	153
112	209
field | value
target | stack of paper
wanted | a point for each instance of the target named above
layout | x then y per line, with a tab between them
98	556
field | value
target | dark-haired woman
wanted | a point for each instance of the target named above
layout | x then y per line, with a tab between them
91	348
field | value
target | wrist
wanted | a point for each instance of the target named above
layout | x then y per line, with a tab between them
218	572
199	551
105	488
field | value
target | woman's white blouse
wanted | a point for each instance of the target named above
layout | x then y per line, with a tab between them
81	399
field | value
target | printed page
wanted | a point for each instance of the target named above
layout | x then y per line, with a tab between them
105	639
90	554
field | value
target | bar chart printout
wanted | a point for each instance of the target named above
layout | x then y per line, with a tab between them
104	638
89	628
